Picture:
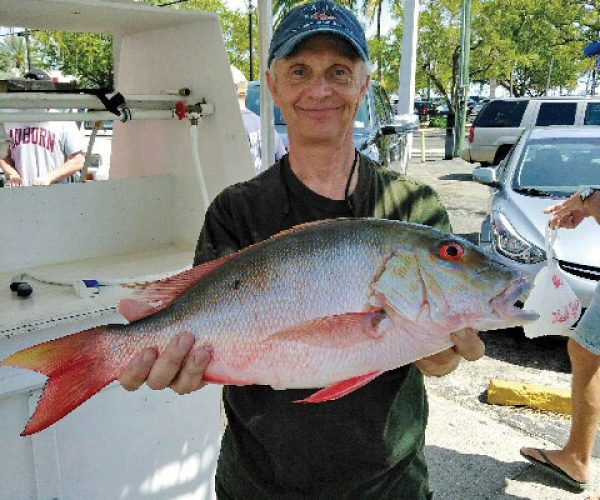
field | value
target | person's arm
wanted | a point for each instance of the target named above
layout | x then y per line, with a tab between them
182	364
573	210
12	175
73	164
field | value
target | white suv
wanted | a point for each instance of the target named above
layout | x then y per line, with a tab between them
501	121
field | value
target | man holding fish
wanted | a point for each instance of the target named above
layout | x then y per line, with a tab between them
323	290
369	443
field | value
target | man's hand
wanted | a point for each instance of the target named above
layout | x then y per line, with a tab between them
467	345
43	180
181	367
14	180
568	214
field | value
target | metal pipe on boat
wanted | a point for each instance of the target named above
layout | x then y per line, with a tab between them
126	115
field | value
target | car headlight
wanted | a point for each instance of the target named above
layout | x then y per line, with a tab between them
511	244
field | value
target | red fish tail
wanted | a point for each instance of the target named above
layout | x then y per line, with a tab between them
77	367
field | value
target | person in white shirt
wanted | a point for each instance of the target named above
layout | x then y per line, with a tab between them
252	123
41	154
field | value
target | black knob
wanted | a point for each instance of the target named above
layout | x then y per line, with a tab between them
15	285
24	289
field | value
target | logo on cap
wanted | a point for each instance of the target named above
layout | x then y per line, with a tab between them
322	16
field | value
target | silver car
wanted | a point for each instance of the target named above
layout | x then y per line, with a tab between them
546	166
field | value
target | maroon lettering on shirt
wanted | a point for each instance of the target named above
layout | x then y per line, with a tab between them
33	135
15	137
42	141
50	139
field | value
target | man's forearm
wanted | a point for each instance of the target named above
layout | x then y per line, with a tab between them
8	168
72	165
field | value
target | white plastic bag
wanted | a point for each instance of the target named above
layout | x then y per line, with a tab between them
552	298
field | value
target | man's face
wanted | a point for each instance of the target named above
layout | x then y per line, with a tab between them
318	90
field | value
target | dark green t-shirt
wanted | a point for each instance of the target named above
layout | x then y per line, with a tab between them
368	444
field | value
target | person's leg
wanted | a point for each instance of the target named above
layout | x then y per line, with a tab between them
574	458
584	352
585	396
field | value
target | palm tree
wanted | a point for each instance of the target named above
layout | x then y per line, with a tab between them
13	52
372	9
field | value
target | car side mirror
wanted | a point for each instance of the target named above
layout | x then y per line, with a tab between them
487	176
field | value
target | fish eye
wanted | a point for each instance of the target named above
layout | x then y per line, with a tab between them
451	251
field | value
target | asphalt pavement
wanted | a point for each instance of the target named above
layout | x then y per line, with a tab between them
472	447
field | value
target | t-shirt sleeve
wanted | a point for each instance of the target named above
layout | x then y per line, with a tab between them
216	238
74	139
428	209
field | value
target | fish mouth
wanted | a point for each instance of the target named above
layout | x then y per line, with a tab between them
504	304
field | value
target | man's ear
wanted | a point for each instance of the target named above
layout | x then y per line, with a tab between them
272	87
365	87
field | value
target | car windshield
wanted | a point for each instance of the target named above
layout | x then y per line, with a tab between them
253	104
558	166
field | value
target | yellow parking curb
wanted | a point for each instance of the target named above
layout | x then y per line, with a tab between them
538	397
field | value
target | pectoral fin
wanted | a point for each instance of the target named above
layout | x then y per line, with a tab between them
339	389
337	331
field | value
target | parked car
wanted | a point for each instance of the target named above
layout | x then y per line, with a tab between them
474	111
423	106
432	107
378	133
500	122
546	166
441	108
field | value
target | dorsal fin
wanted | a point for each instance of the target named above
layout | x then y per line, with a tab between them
305	225
154	296
151	297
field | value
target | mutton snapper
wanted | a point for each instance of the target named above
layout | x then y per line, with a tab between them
330	304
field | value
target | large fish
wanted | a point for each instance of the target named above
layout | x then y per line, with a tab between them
329	305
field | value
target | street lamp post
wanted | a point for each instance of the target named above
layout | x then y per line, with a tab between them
250	38
463	91
25	34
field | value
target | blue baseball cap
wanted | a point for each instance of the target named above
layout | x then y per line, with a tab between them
309	19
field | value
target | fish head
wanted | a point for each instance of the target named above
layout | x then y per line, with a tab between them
445	283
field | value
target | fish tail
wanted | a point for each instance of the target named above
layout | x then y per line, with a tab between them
77	367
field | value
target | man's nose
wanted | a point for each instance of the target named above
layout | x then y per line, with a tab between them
320	87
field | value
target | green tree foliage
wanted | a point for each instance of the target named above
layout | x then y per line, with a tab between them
372	10
531	46
13	55
235	28
85	56
88	56
528	46
437	48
